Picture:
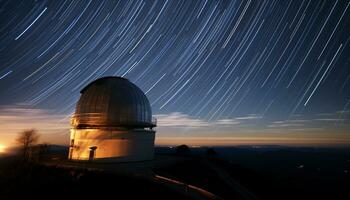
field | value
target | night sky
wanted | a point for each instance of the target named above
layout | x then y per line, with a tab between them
219	71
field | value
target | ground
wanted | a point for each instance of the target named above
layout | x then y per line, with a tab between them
226	173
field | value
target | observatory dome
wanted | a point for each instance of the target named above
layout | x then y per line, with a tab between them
112	102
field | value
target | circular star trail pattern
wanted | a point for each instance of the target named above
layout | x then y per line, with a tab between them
208	59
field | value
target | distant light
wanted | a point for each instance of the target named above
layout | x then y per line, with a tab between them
2	148
300	166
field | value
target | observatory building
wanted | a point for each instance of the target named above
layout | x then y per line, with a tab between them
112	123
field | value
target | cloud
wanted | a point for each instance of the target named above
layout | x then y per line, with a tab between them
306	129
227	122
181	120
14	119
329	119
324	122
177	119
289	123
279	125
249	117
18	118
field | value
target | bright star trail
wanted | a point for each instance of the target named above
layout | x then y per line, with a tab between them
231	68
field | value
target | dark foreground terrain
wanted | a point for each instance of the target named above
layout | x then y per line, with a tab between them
43	182
270	172
244	172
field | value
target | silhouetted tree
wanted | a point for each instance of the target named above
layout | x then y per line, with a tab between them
27	139
182	150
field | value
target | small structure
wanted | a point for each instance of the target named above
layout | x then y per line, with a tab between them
112	123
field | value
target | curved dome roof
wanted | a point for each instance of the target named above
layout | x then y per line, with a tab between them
112	102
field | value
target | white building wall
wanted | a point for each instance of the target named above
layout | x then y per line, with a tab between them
112	145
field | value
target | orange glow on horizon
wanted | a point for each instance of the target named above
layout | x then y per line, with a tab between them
54	129
218	141
251	140
2	148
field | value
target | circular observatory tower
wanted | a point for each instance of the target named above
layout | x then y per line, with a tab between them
112	123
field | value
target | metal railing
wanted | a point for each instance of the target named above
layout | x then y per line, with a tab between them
99	119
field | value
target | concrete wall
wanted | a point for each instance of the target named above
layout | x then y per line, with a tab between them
112	145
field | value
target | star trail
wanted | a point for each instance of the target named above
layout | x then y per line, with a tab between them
229	67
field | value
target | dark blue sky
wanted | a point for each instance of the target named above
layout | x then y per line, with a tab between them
251	65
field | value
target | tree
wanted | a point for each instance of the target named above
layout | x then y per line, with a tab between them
27	139
182	150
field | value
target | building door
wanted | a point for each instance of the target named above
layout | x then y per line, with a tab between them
70	156
92	153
